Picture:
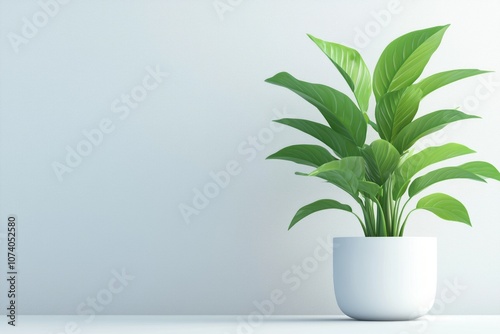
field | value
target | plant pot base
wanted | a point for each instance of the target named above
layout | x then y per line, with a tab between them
385	278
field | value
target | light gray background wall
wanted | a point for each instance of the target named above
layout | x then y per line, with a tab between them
119	209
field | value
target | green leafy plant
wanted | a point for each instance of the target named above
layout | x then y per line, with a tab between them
382	177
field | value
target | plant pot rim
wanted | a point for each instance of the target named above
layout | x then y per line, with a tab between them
388	237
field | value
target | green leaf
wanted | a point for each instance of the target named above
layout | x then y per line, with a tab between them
445	207
342	146
426	125
422	159
438	175
404	59
429	156
407	109
373	125
441	79
400	187
310	155
352	67
344	179
322	204
355	165
482	168
384	113
345	174
369	189
337	108
395	110
381	159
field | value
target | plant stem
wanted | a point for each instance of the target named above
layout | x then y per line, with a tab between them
381	228
368	220
396	217
401	216
404	223
361	223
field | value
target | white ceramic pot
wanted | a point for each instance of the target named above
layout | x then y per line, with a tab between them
385	278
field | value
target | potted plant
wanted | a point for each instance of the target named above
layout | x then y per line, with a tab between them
382	276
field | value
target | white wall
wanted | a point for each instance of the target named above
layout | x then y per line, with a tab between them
119	207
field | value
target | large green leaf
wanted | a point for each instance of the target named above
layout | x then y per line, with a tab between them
344	179
407	109
445	207
404	59
371	123
384	113
322	204
429	156
395	110
483	169
369	189
381	159
422	159
342	146
441	79
438	175
345	173
400	186
355	165
426	125
340	112
352	67
310	155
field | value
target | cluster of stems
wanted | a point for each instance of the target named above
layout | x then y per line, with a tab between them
383	215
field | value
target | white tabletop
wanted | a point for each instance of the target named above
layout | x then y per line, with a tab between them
244	325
